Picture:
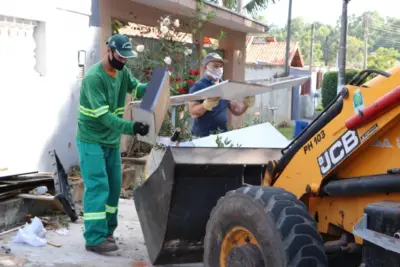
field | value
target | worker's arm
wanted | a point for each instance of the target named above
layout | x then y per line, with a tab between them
239	107
196	109
199	107
98	107
135	88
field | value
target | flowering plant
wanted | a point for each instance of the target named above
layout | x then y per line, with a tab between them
172	51
181	85
175	51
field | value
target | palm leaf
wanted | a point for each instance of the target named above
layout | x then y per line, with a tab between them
254	6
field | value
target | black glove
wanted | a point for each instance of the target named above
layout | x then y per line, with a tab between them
140	128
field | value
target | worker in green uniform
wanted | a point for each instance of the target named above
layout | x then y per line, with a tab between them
100	126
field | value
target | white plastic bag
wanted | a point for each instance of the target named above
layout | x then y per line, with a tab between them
62	231
33	234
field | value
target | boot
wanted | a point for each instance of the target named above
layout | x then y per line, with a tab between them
105	246
111	239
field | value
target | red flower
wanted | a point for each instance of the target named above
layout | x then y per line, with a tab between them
190	82
197	72
182	91
177	79
147	73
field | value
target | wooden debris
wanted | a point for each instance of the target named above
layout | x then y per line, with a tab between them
54	245
12	186
10	231
141	264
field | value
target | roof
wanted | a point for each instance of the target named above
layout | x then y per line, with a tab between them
266	50
140	30
223	17
134	29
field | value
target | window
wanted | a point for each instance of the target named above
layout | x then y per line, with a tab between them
19	40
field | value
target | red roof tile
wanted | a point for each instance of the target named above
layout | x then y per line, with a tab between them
139	30
266	49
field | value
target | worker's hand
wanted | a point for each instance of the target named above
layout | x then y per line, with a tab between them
211	103
140	128
249	101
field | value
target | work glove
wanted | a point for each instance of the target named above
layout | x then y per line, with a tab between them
249	101
210	103
140	128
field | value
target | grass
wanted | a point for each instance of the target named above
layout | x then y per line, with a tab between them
287	131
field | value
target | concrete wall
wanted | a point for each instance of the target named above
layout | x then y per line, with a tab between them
272	106
256	73
39	112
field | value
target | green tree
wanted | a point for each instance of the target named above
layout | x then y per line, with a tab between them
354	52
252	8
383	58
277	32
329	85
388	32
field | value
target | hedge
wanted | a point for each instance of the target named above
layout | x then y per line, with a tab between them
330	82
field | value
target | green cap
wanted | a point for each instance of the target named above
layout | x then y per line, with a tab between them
122	45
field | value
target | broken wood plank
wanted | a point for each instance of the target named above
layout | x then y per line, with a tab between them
11	230
7	174
53	244
135	161
40	197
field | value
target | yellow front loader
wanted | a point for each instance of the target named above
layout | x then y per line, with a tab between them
331	199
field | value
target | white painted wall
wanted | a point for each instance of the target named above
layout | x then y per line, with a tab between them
38	113
257	73
272	106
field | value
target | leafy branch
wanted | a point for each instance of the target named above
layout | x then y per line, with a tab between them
225	143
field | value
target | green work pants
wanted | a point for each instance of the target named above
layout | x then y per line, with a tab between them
101	170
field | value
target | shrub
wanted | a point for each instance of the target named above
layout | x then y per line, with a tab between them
329	85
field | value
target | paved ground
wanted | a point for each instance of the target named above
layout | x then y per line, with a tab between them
72	252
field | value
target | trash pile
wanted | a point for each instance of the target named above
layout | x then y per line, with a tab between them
38	194
34	233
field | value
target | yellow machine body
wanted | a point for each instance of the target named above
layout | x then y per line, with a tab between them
376	151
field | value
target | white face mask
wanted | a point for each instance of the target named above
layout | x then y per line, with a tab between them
216	74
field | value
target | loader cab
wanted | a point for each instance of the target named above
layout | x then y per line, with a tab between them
328	114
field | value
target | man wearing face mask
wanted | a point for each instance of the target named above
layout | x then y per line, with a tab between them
100	126
211	115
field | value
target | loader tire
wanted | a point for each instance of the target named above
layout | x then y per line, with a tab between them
262	226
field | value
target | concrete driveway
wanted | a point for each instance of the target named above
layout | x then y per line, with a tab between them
72	252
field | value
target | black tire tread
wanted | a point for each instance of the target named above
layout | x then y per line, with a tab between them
303	244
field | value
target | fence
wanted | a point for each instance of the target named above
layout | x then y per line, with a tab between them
274	106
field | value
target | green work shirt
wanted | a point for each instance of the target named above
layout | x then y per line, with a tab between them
102	105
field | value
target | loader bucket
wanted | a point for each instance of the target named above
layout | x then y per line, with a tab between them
175	201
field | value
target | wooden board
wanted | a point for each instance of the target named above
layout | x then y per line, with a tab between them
234	90
154	106
12	173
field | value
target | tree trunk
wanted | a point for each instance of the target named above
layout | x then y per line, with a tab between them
240	7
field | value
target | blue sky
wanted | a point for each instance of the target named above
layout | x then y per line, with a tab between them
328	11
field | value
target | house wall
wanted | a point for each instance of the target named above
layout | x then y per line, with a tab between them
272	106
39	85
261	73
